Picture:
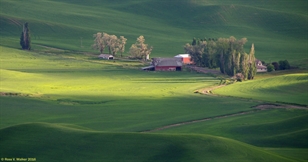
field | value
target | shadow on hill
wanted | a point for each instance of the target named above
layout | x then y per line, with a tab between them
55	142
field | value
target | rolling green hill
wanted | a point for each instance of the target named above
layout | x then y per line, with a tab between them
279	30
58	100
291	88
102	95
267	128
56	142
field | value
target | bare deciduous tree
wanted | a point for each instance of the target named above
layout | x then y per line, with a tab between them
99	43
112	43
121	44
140	50
103	40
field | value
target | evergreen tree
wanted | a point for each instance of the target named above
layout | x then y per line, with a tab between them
194	42
25	39
283	65
22	42
270	68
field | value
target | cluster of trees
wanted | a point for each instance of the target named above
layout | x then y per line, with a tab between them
139	50
112	42
226	53
280	65
25	39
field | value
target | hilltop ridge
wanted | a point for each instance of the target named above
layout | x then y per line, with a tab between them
277	29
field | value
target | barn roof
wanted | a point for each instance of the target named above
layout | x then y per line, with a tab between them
167	62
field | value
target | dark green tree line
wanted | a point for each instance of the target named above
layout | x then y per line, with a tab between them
226	53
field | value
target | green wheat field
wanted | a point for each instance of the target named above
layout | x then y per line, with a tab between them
59	102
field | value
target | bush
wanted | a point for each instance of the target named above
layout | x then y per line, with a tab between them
283	65
270	68
239	77
276	65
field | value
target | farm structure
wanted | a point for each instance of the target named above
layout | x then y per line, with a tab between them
186	59
165	64
105	56
260	67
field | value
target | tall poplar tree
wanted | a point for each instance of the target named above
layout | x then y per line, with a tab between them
244	68
252	63
25	39
226	53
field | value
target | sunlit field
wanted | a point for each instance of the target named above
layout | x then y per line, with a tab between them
289	88
59	102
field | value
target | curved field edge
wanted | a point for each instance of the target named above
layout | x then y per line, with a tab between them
53	142
283	128
290	88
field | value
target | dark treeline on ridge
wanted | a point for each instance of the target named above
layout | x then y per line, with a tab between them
226	53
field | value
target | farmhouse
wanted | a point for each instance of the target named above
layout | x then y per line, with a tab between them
260	67
105	56
185	58
165	64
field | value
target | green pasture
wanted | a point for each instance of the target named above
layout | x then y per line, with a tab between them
59	100
283	132
73	75
103	95
278	30
289	88
117	113
295	154
56	142
284	128
83	92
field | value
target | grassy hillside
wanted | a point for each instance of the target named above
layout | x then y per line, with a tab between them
102	95
56	142
61	81
290	88
267	128
105	96
277	29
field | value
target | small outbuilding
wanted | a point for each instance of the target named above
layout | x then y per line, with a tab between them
186	58
106	56
260	67
149	68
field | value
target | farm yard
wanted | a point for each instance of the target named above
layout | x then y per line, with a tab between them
60	102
